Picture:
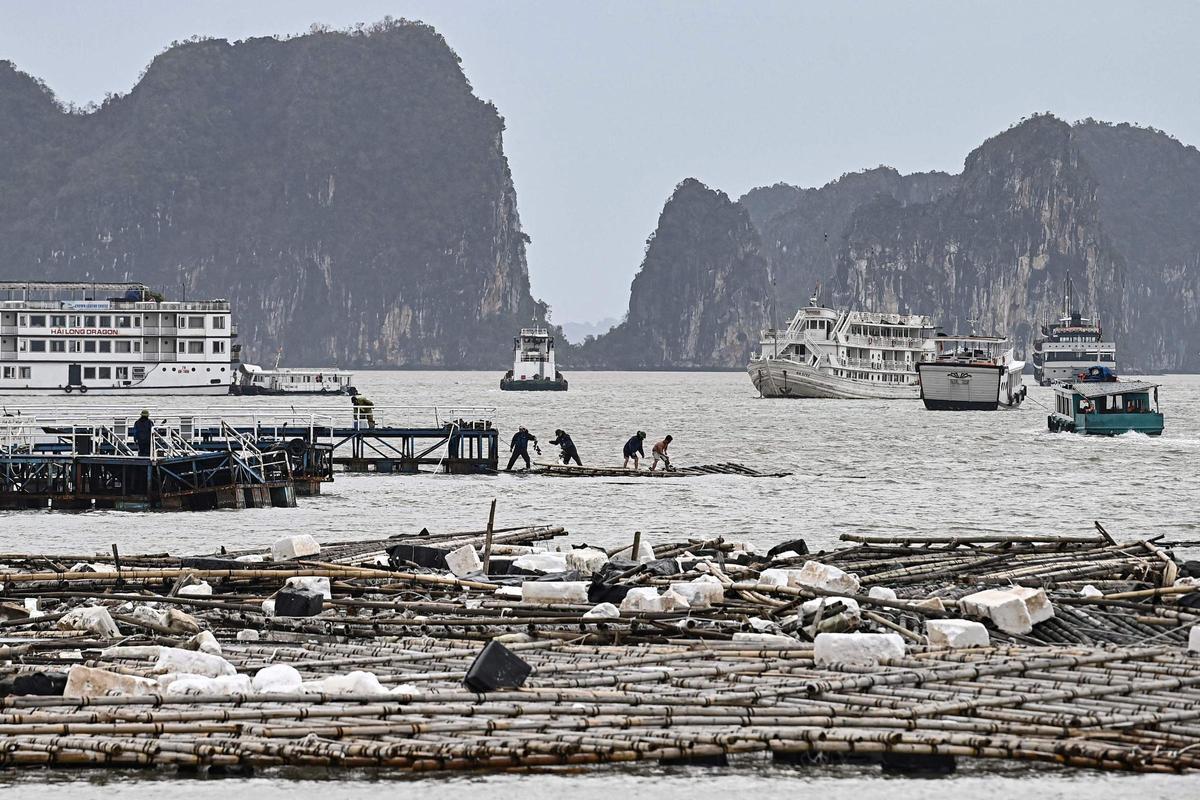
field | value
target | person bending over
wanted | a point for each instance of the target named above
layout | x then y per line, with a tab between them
520	448
633	449
569	453
659	451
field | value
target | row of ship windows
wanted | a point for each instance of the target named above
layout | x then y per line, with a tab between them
872	376
217	346
109	321
1063	355
91	373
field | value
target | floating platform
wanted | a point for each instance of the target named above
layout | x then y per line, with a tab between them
576	471
378	675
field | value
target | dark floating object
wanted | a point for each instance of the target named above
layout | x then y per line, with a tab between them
298	603
47	684
496	667
798	546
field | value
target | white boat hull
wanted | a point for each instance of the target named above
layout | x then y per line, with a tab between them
971	387
786	378
179	378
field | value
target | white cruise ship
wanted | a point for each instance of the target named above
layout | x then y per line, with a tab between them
849	355
1069	348
112	338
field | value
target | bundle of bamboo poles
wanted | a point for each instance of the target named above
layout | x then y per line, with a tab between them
1107	683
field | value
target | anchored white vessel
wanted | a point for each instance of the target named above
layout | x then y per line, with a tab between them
253	379
533	364
1069	348
972	373
849	355
115	338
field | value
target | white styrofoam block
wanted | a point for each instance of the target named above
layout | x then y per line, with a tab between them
957	633
463	561
931	604
542	562
201	589
859	649
205	642
1090	591
603	611
1194	639
644	553
357	682
777	639
816	575
775	576
183	683
315	584
136	652
641	598
847	619
299	545
247	635
701	593
252	558
1036	602
510	592
554	592
193	662
786	555
1006	609
586	559
92	682
881	593
92	619
268	607
31	607
277	679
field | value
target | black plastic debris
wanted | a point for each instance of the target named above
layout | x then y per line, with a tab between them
797	546
297	602
664	567
1190	569
600	592
557	577
211	562
916	764
615	568
402	555
1190	600
49	684
496	667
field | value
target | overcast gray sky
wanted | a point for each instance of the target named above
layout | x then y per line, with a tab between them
609	105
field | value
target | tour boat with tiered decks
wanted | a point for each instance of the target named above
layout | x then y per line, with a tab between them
252	379
1071	346
971	373
111	338
533	364
848	355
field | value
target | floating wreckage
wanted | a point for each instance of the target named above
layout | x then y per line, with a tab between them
575	471
414	654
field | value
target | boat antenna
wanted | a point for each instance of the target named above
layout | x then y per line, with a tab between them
278	356
972	323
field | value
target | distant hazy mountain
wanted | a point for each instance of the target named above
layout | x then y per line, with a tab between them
700	294
576	332
347	191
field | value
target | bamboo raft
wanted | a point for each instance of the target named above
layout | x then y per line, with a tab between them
1108	683
576	471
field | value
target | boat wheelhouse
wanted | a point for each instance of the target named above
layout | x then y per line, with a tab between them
971	373
1101	405
1070	346
113	338
254	380
533	364
850	355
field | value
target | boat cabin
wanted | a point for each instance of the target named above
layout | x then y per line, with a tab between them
970	349
1107	408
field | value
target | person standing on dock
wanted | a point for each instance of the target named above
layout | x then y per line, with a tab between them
563	440
659	451
520	448
633	449
363	409
143	433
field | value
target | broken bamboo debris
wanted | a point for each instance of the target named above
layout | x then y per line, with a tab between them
691	649
575	471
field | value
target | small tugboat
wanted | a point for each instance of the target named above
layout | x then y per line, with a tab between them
1099	404
1070	346
971	373
533	364
254	380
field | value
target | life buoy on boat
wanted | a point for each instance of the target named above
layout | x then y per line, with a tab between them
67	389
83	390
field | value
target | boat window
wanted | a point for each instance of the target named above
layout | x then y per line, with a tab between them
122	373
89	373
124	347
89	322
26	372
218	323
37	321
104	372
218	346
57	321
105	321
104	347
37	345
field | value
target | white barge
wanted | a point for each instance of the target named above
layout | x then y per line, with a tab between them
847	355
533	364
111	338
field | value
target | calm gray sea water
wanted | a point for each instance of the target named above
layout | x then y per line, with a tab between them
859	466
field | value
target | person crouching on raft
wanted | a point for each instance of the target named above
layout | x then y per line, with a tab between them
520	448
563	440
659	451
633	449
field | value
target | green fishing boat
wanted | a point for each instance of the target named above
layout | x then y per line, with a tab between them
1100	405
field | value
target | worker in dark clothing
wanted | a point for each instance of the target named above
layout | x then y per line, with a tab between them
633	448
142	432
563	440
520	447
363	409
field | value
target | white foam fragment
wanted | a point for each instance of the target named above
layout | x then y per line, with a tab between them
201	589
775	639
541	562
957	633
881	593
1194	639
1036	601
554	592
31	607
92	682
603	611
300	545
646	598
775	576
848	618
320	585
277	679
183	683
702	592
247	635
816	575
93	619
644	553
268	607
463	561
587	559
857	649
357	682
1005	609
511	592
193	662
205	642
